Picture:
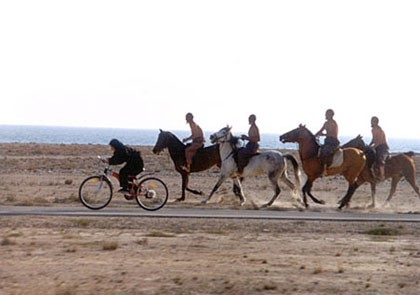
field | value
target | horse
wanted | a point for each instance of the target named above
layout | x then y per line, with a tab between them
272	163
354	161
396	167
205	158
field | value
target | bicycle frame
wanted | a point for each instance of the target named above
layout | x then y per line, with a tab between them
132	180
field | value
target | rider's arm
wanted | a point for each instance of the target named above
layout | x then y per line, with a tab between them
187	138
320	132
117	159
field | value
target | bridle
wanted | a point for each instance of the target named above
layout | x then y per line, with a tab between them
218	138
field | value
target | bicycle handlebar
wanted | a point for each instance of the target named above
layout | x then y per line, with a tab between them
104	160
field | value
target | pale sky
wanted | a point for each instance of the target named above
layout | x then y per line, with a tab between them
144	64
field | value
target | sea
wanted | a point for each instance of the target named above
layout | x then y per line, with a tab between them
146	137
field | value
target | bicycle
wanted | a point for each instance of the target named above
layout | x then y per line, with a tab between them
150	192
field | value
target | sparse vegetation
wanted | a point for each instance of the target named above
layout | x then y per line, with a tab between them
383	231
68	181
318	270
83	222
159	234
7	242
109	245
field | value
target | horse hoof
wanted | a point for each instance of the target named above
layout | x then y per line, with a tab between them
322	202
386	205
204	202
254	206
180	200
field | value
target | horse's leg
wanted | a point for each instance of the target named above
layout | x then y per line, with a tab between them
350	191
307	190
373	194
274	183
351	174
239	191
185	182
195	192
236	188
222	178
184	177
394	182
411	179
367	176
293	188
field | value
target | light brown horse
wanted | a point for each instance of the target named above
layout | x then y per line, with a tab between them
396	167
354	161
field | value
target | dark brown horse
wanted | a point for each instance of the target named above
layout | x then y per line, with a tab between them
396	167
354	161
204	159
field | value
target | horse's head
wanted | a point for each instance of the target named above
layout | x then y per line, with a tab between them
356	142
295	135
162	142
223	135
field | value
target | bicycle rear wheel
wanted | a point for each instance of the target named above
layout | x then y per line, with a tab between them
95	192
152	194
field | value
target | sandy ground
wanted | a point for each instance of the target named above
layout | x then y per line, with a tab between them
73	255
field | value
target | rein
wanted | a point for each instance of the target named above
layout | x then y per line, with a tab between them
233	141
233	147
228	156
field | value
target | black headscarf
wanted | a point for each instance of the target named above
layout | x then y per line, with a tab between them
115	143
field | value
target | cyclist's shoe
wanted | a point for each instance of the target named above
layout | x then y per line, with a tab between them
129	197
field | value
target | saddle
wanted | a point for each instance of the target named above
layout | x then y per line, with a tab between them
242	158
338	158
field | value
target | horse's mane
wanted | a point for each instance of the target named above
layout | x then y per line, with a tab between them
311	135
356	142
235	140
171	135
410	154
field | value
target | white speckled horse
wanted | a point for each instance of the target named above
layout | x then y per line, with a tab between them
272	163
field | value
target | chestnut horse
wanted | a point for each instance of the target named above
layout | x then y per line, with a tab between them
205	158
396	167
354	161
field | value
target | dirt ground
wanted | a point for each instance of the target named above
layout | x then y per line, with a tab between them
136	255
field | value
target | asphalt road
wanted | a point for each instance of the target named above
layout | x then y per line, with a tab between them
167	212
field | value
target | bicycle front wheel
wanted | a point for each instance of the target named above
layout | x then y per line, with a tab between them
152	194
95	192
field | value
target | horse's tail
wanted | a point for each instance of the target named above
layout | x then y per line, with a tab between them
296	169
